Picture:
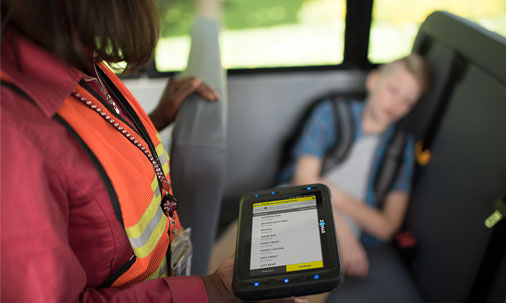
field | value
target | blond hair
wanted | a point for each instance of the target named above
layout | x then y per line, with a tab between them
417	66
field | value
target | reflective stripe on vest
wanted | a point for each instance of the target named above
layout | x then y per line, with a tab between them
133	179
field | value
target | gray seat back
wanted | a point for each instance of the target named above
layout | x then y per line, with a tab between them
463	122
198	146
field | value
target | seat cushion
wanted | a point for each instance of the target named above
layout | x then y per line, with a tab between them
388	280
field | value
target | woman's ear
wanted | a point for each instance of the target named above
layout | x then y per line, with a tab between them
371	80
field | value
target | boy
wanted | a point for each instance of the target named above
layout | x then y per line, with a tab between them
393	90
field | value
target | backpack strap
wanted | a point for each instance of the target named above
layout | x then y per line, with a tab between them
391	161
345	129
390	165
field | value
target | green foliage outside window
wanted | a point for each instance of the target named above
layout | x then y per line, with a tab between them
396	22
177	15
259	33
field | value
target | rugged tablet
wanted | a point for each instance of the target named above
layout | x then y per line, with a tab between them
286	244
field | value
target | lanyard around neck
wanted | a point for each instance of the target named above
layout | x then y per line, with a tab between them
169	202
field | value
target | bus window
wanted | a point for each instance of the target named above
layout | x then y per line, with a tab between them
396	22
259	33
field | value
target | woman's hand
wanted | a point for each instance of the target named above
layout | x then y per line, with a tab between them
219	285
174	94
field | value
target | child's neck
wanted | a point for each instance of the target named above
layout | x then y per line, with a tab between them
370	123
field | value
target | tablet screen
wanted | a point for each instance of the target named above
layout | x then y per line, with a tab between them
286	243
285	236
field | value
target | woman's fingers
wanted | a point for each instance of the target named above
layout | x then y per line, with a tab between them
207	92
186	86
183	89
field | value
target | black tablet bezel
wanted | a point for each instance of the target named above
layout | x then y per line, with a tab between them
264	286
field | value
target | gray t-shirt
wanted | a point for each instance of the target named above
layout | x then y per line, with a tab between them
352	174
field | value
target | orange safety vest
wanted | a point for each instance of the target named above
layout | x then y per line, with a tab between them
130	179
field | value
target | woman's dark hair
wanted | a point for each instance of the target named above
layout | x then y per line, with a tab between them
114	30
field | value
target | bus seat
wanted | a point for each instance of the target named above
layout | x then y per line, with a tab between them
198	145
463	124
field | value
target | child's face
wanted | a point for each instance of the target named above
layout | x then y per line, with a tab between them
392	94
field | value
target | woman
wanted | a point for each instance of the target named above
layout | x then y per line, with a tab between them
87	210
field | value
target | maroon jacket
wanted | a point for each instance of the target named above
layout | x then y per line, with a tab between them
60	239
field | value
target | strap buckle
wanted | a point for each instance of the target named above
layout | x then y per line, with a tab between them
498	214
